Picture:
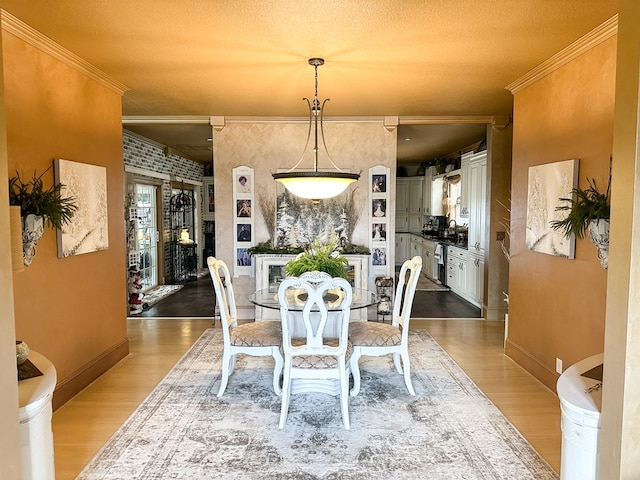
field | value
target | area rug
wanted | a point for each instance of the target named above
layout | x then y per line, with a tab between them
426	285
449	430
158	293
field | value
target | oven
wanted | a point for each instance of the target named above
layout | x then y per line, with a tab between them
440	263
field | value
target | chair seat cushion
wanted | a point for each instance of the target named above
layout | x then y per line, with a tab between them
373	334
257	334
318	361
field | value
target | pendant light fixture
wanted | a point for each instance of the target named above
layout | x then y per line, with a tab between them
316	184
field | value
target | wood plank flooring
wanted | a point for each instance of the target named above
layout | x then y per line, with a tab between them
84	424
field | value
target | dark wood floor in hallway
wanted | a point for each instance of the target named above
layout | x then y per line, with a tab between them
197	299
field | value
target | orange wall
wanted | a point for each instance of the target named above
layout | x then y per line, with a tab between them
71	310
557	306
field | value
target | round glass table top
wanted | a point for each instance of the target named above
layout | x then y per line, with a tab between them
268	298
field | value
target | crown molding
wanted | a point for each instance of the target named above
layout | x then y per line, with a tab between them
585	43
440	120
23	31
164	119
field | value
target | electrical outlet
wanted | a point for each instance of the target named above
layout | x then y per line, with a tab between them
500	236
558	365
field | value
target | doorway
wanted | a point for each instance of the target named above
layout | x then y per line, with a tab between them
147	235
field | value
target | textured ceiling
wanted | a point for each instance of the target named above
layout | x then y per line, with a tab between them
249	57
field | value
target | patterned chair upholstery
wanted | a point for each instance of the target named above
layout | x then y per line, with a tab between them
315	359
257	339
376	339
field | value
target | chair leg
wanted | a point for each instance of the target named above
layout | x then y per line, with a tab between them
344	395
232	365
396	362
277	370
226	360
286	394
406	364
355	371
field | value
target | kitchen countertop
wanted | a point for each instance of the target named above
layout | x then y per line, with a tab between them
443	240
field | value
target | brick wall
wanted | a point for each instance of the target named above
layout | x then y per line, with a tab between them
148	155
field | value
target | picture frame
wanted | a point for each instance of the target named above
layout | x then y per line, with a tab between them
243	232
88	229
546	185
209	202
379	183
379	208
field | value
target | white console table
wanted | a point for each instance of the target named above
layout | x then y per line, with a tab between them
35	410
581	403
270	272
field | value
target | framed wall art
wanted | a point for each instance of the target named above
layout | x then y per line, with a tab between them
88	229
378	221
209	203
546	185
243	204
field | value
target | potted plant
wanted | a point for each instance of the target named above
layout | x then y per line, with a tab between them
588	212
323	257
39	206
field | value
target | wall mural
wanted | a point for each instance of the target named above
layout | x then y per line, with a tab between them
546	185
299	221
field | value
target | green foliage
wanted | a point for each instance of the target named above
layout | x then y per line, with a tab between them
266	247
589	204
323	257
34	199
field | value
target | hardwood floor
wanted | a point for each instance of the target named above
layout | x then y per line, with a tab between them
84	424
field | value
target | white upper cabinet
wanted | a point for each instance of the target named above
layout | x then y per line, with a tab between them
477	202
437	190
409	204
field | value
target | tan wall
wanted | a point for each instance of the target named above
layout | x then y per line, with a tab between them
498	192
71	310
9	421
267	146
557	306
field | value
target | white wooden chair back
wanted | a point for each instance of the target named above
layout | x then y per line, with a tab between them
224	295
405	291
315	285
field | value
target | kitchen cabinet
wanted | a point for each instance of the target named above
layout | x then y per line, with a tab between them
415	246
476	279
477	202
465	274
437	189
409	204
426	191
429	267
465	208
403	247
270	272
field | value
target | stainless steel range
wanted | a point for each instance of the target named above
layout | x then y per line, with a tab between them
440	263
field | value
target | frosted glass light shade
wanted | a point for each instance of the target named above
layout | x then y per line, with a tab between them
316	185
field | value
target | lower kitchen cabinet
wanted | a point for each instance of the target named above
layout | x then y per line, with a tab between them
403	247
465	275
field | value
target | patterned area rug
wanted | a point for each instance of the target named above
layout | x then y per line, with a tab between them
449	430
426	285
158	293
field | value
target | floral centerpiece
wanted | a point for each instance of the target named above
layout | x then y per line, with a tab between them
321	256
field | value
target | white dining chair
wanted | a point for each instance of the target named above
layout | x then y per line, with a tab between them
315	360
377	339
257	339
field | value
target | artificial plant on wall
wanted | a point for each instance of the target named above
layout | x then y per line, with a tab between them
39	206
588	211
